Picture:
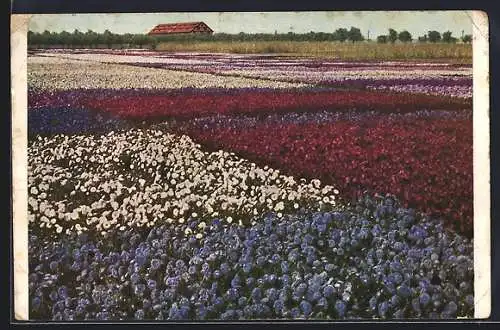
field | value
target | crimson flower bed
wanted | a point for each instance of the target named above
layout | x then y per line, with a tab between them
425	162
264	101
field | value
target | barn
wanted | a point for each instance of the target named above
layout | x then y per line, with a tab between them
180	28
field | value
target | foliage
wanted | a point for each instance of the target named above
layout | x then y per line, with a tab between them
404	36
341	34
448	38
434	36
393	35
382	39
467	38
354	34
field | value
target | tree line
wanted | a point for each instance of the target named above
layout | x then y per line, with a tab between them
93	39
431	36
89	38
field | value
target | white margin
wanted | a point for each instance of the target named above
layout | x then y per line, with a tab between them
18	58
481	151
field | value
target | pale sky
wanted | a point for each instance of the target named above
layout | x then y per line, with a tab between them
377	22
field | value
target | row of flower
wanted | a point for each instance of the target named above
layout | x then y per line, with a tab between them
194	103
142	224
446	83
324	265
70	75
65	120
373	174
406	77
319	117
238	60
425	160
134	178
449	84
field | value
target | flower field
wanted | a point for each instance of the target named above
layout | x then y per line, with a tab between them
191	186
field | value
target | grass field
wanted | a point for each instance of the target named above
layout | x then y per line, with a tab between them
461	53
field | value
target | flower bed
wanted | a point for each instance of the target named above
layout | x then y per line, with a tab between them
369	75
259	101
300	202
135	178
64	120
352	264
427	162
91	75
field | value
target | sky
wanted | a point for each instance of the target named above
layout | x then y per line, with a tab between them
377	23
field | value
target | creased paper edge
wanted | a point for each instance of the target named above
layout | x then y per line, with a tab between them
481	150
18	43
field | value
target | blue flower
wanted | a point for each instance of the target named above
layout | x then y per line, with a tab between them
53	266
36	303
250	282
383	307
295	312
63	292
256	294
306	307
425	299
340	307
151	284
247	267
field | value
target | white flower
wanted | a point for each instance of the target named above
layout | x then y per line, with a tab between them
295	206
229	219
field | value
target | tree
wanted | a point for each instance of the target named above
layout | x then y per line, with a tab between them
354	34
341	34
65	38
404	36
448	38
434	36
46	38
90	38
393	35
34	38
107	38
422	39
76	38
382	39
467	38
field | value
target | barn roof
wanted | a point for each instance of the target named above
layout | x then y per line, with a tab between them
188	27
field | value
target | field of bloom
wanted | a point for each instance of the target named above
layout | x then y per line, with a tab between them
174	186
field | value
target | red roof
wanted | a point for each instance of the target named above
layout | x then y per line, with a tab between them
191	27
